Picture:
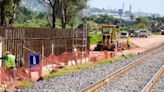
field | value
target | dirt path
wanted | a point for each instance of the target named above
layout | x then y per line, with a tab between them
146	43
143	43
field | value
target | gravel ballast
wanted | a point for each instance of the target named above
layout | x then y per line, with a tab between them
75	82
160	85
136	79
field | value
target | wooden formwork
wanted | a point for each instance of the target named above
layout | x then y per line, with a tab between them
44	41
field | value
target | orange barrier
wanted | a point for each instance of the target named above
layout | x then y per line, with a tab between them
3	76
66	56
54	62
100	56
35	72
19	73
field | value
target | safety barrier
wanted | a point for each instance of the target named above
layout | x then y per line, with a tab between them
53	62
3	74
100	56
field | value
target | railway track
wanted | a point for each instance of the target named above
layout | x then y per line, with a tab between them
153	82
76	82
159	87
113	76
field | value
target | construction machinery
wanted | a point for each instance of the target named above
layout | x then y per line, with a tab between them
109	38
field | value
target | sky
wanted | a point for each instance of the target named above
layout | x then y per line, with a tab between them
149	6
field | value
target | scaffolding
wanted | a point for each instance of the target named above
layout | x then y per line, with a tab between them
53	45
81	43
51	41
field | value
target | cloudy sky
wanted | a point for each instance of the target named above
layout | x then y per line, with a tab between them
153	6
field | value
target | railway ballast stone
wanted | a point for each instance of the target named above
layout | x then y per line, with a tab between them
75	82
136	79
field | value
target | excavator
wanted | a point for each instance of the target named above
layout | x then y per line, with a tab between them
109	38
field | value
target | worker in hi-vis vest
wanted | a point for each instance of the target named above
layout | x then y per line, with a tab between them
129	43
10	64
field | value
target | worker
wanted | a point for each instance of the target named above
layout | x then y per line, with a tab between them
129	43
74	50
10	64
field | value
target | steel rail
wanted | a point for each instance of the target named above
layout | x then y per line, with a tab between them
119	72
152	83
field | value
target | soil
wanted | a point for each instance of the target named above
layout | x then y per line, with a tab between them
140	44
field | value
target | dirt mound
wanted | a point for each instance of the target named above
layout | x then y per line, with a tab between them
123	46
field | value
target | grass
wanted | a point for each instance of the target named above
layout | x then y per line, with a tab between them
110	60
115	59
157	33
66	70
25	84
71	69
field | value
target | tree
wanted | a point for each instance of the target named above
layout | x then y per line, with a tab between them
102	19
69	8
23	15
8	11
142	23
92	26
28	18
53	4
2	12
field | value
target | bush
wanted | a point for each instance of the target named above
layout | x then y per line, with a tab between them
95	38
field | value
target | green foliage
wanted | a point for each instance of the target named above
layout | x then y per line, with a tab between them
32	23
115	59
27	18
110	60
142	23
25	84
71	69
92	26
7	10
24	15
125	28
69	8
95	38
102	19
66	70
74	22
161	19
157	33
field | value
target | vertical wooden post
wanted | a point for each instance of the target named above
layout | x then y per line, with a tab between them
42	50
23	53
52	48
65	44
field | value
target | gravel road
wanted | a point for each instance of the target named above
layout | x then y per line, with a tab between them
136	78
75	82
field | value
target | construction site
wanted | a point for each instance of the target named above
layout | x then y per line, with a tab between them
54	49
66	46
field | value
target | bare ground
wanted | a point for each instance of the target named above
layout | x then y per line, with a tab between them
142	43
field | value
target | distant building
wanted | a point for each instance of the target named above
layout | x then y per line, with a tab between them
116	13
